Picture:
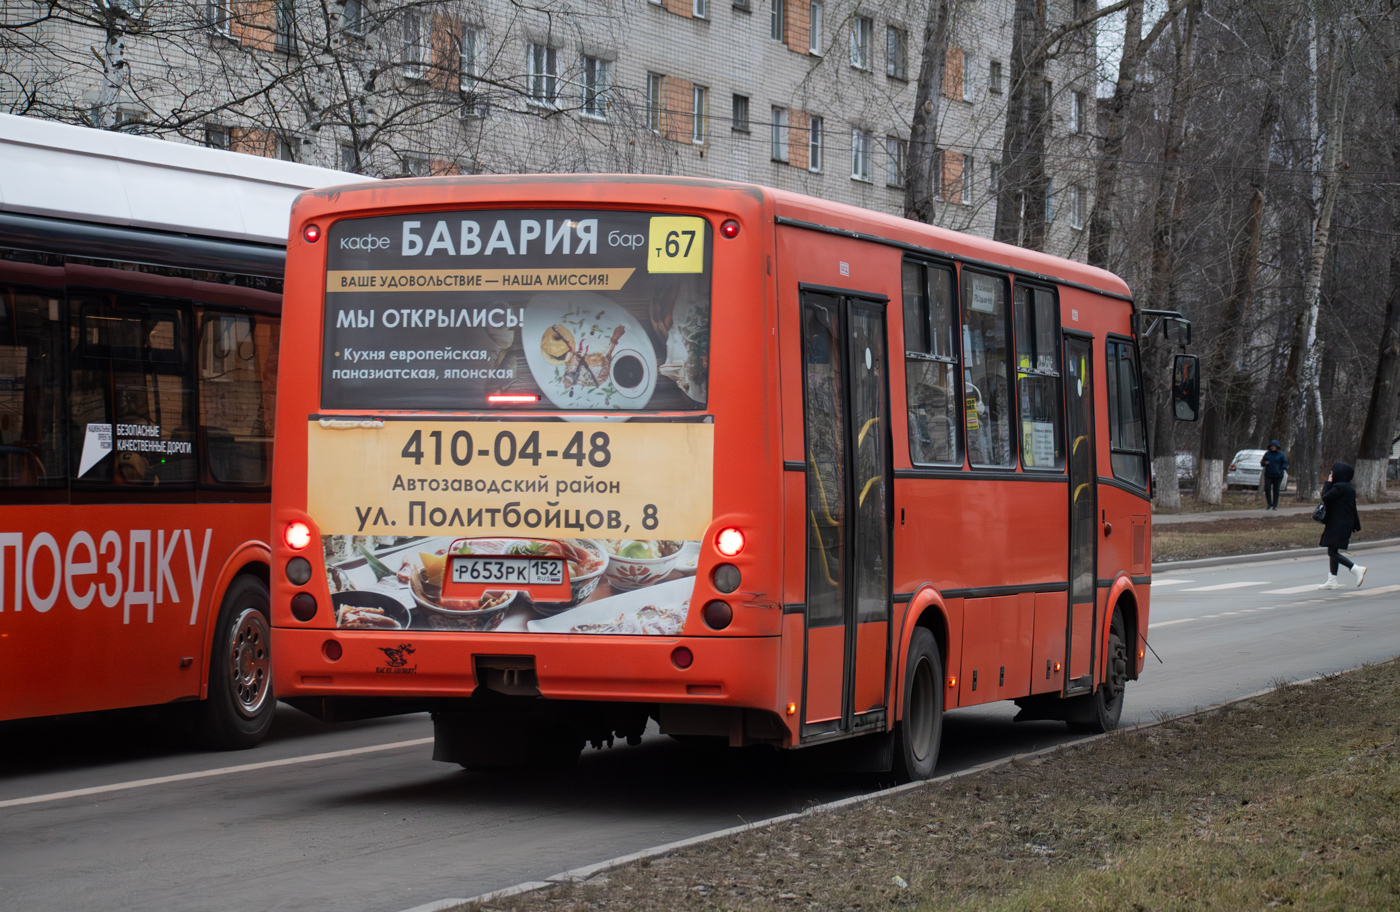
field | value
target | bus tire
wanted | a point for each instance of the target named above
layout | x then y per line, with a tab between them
920	728
1100	711
240	706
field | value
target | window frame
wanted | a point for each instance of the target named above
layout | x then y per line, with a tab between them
779	145
1112	398
777	24
816	135
202	314
656	89
922	353
994	77
1078	112
596	87
700	9
816	26
468	47
896	53
699	113
896	160
862	144
1033	370
1008	315
414	52
739	113
862	28
284	34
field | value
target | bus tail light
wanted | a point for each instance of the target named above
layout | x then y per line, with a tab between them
297	535
729	542
303	606
717	614
730	229
726	577
682	657
312	234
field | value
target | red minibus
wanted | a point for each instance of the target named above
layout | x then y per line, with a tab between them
140	287
559	456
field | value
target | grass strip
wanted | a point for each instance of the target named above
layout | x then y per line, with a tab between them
1258	534
1290	800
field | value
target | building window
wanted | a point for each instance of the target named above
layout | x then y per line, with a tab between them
1047	99
415	44
699	113
217	138
286	151
217	14
1077	111
896	53
655	86
416	166
994	77
894	161
1076	207
1049	200
931	364
780	134
352	17
700	8
861	27
467	64
860	154
740	114
777	29
542	73
815	39
597	87
349	161
994	178
967	180
284	38
814	144
966	78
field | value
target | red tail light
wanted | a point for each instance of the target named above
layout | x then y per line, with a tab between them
729	541
297	535
312	234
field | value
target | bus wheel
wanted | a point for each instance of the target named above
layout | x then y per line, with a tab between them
917	734
240	706
1105	706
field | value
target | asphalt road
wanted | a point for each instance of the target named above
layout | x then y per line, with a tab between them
380	827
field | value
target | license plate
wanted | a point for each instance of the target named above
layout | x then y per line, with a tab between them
508	571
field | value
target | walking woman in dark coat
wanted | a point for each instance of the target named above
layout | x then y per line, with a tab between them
1342	519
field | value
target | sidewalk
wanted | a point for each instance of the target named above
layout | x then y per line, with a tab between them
1169	519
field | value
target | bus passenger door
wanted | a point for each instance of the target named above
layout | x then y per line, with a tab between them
846	407
1083	516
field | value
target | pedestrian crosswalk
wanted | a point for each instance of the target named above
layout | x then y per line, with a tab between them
1240	587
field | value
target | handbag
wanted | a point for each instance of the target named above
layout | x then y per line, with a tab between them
1320	513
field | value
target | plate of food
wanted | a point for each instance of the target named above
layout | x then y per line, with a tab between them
658	610
633	564
357	609
688	560
588	352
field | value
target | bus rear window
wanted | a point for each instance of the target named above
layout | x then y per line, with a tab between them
548	309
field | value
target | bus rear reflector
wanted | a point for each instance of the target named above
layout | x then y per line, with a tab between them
331	650
682	657
303	606
729	542
507	398
297	536
717	614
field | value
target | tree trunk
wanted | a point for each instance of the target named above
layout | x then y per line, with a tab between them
919	191
1379	429
1106	171
1025	115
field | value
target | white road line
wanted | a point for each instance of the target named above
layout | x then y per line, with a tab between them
1219	586
1169	582
205	774
1291	590
1381	591
1155	624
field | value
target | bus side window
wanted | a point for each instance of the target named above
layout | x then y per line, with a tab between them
931	364
237	397
132	393
33	428
1038	378
1127	432
986	393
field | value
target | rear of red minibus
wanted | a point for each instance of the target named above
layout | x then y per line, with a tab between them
527	465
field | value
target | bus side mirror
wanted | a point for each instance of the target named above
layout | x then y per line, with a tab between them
1186	387
1177	331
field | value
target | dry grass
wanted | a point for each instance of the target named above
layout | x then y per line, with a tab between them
1291	800
1257	534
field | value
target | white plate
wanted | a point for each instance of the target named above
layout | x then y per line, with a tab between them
672	595
592	319
689	560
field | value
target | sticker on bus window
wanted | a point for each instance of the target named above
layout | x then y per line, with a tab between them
676	244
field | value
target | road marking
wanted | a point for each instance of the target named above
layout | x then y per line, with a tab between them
1219	586
1292	590
1155	624
205	774
1169	582
1381	591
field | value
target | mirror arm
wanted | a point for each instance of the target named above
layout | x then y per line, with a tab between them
1159	316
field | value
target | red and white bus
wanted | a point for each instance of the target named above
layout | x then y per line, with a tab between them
140	287
562	455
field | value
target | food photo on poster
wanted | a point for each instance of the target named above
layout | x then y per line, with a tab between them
580	586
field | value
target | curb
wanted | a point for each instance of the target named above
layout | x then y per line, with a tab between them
1248	560
581	874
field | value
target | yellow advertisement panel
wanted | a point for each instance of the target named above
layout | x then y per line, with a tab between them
547	479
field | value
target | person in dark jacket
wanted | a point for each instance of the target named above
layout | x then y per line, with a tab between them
1275	468
1342	519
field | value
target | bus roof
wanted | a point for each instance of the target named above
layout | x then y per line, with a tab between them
478	191
87	175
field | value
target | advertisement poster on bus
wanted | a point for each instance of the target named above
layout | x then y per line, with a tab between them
549	525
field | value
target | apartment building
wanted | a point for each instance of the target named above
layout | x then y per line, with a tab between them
809	95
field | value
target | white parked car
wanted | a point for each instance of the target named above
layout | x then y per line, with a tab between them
1244	470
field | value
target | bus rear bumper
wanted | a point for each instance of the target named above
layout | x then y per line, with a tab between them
725	671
